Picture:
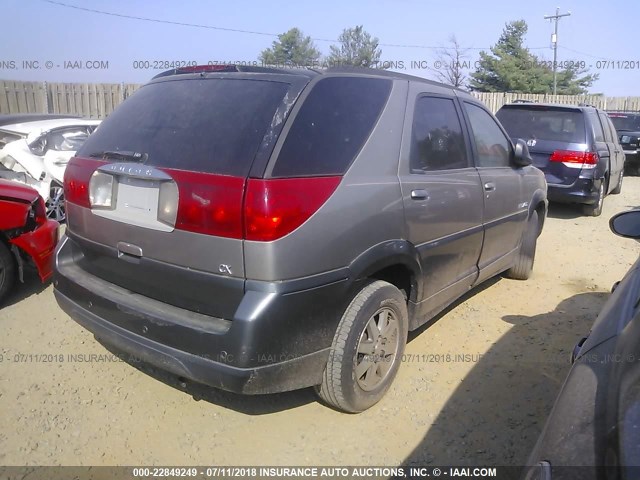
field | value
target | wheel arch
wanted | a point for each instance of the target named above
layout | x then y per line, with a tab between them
394	261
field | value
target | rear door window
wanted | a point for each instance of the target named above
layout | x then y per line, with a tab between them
437	142
543	123
203	125
332	126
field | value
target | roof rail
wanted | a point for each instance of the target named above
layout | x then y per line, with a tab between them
222	68
521	100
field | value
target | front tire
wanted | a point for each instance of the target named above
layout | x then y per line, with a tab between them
523	265
7	271
367	349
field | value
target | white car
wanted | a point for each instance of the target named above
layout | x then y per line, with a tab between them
35	151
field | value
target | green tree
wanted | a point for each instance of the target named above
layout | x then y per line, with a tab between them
357	48
574	80
291	48
511	67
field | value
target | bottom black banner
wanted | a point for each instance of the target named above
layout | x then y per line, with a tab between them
540	472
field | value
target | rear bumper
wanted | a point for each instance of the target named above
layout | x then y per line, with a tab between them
277	340
583	190
276	377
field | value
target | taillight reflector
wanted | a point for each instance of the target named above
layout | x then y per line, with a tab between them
274	208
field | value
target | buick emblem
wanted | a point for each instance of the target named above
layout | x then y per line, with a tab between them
531	142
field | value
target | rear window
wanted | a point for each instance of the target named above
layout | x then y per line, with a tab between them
624	122
543	124
204	125
332	126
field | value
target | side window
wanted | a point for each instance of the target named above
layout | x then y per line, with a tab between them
610	132
437	142
614	132
597	128
492	145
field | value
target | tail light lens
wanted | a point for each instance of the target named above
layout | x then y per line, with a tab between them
274	208
209	204
101	190
168	199
76	180
575	159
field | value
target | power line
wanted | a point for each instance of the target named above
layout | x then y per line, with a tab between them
583	53
238	30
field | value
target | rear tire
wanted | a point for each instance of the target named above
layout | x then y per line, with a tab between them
595	210
618	188
523	265
367	349
7	271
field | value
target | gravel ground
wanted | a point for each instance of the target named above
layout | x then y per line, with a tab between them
476	386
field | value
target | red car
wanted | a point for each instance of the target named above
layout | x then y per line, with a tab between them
26	235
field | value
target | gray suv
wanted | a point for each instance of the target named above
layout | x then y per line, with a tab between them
263	230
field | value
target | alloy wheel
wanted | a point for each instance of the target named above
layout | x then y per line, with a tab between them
377	349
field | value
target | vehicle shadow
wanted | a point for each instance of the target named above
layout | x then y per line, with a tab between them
564	211
496	414
471	293
247	404
20	291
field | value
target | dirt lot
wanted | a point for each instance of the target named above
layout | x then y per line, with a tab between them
475	388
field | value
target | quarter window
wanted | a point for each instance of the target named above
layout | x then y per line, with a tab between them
437	142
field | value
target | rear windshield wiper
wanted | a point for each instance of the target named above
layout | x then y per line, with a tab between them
121	155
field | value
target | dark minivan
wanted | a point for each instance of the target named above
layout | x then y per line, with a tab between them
575	146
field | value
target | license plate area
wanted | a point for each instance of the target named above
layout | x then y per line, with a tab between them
136	203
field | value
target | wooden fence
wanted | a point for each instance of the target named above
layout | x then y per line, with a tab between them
97	100
90	100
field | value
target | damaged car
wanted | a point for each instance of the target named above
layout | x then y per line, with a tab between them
35	151
27	237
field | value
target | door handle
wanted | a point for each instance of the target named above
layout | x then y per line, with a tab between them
489	187
419	194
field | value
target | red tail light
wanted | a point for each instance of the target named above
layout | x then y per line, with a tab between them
209	204
76	180
575	157
274	208
214	205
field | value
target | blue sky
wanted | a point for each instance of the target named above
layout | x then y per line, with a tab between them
36	30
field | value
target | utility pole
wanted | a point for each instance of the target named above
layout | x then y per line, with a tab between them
554	41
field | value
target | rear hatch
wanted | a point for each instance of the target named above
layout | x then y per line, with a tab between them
556	137
155	195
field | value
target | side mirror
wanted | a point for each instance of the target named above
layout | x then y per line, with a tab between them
521	155
626	224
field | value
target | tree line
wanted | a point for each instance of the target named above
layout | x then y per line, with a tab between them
508	67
